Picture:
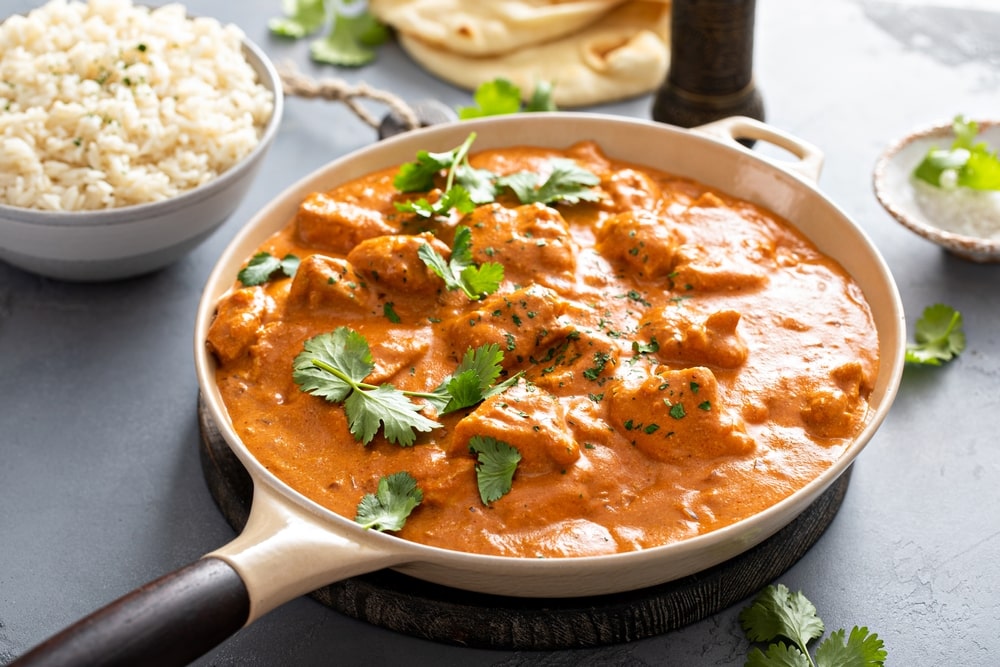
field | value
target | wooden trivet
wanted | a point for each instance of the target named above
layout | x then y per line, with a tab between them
430	611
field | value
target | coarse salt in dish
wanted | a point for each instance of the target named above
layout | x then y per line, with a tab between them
109	104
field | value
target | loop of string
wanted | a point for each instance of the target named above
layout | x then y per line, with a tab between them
297	84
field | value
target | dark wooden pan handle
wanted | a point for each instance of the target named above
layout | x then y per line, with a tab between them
169	621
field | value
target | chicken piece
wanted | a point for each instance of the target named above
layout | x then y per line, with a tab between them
693	340
532	242
644	243
329	284
521	323
630	189
392	263
676	415
238	320
335	226
835	409
528	419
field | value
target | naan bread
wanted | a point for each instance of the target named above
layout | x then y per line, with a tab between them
624	54
488	27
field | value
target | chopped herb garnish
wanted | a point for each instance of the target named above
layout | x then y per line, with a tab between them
388	508
677	411
390	313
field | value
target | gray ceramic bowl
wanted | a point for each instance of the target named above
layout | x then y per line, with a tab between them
939	217
132	240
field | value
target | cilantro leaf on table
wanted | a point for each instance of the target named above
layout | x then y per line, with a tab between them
777	614
334	365
496	464
493	98
938	336
472	380
264	265
351	39
567	182
459	271
388	508
967	163
501	97
352	35
302	18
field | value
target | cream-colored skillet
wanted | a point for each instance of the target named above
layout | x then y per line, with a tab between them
291	546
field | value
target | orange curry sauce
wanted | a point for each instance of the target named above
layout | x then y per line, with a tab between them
766	344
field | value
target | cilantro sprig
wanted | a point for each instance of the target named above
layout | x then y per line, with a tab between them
459	271
496	464
466	186
967	164
334	366
568	182
778	613
264	266
938	336
500	97
351	35
388	508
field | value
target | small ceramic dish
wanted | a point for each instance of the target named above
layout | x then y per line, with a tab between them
962	221
118	243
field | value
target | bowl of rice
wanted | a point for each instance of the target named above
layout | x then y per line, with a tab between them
963	221
128	134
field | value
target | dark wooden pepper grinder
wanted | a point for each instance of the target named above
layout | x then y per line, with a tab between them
711	64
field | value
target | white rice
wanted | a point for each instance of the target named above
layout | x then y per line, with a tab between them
106	104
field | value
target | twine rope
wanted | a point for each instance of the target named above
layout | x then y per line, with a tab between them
296	84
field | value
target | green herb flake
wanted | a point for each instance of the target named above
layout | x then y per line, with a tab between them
677	411
390	313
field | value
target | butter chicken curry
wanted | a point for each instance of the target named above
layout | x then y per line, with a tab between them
668	359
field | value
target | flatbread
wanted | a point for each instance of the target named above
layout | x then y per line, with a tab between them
624	54
488	27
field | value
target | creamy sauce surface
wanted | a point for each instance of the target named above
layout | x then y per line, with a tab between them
664	293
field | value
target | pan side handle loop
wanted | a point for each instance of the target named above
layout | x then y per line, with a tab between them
730	130
169	621
285	551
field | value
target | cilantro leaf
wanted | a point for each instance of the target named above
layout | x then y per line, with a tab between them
264	265
966	164
472	380
302	18
861	650
497	462
500	97
334	365
567	182
777	655
388	508
418	176
388	407
493	98
456	198
779	612
478	182
459	271
350	39
541	98
938	336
